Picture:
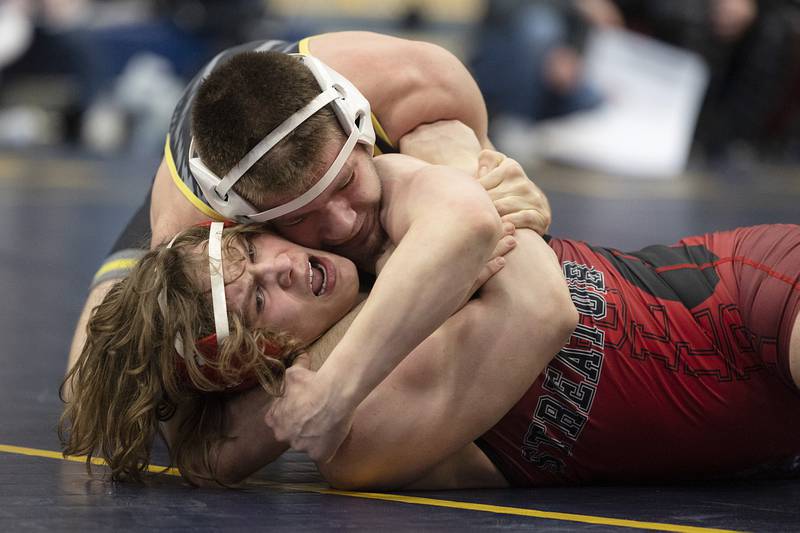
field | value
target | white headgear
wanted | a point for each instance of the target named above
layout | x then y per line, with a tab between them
218	301
351	109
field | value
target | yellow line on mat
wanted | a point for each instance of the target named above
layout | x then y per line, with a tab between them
415	500
35	452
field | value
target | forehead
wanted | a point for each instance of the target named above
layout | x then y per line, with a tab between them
354	162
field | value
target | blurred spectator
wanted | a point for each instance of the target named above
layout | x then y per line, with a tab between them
753	50
108	72
527	60
220	23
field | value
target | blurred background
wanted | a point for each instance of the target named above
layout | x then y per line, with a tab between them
710	81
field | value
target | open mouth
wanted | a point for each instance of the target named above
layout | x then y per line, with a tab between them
317	276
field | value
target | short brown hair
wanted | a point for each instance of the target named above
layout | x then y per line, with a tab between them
241	102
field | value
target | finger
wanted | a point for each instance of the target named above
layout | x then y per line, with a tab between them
528	219
509	228
511	204
503	246
488	160
489	269
491	179
507	171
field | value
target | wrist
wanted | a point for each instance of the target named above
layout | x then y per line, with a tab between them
341	392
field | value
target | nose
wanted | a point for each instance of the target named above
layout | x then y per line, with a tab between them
340	217
273	270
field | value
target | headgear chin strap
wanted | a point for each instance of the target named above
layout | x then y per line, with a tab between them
208	346
351	109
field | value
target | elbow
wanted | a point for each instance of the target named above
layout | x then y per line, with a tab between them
563	318
482	224
228	476
346	478
559	318
367	472
568	321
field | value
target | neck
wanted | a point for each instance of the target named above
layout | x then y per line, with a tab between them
322	347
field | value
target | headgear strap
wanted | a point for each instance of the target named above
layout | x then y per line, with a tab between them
217	292
208	346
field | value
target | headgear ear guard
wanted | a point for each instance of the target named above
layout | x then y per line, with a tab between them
353	113
208	346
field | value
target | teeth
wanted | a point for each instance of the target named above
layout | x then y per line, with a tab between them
311	273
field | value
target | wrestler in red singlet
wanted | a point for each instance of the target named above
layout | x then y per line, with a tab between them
679	368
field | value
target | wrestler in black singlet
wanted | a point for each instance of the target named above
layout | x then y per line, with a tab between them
135	239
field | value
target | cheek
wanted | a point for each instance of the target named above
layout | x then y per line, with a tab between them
305	233
285	315
309	323
367	193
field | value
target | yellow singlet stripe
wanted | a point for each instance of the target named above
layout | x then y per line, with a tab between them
304	46
117	264
413	500
197	202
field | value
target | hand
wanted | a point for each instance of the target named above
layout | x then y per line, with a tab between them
307	416
446	142
517	199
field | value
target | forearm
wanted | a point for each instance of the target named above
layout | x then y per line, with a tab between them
446	142
424	282
463	378
415	293
249	444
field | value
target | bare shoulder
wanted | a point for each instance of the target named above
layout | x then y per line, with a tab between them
400	78
398	166
343	48
400	177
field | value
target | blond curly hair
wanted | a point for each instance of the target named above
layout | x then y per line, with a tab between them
130	377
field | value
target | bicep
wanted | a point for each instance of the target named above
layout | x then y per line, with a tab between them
427	409
462	379
443	89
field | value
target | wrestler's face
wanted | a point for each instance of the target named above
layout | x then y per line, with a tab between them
345	218
276	284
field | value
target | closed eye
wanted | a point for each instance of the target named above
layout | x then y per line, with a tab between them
348	181
290	221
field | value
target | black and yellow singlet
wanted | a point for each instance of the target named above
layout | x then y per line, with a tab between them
134	240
